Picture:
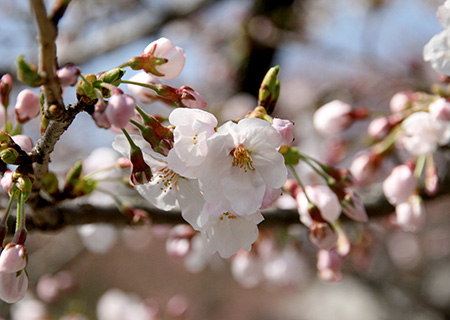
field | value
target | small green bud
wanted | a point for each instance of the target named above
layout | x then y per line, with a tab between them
73	176
85	87
269	90
84	187
291	155
28	73
24	184
9	155
50	183
112	76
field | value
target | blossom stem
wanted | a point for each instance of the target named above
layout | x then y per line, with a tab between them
420	165
145	85
309	161
299	181
11	199
130	141
20	219
93	173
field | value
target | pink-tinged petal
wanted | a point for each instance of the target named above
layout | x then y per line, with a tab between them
244	191
13	286
270	165
13	258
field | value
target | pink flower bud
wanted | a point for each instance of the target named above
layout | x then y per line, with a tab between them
400	184
325	200
401	101
191	98
101	120
329	265
120	109
13	258
411	214
365	167
145	95
322	236
431	182
332	117
440	109
379	128
13	286
285	128
353	207
124	163
68	75
5	88
24	142
6	181
27	105
164	49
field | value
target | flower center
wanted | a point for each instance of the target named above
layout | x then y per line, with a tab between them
227	215
167	179
242	159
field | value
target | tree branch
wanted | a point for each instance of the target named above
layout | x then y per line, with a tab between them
53	105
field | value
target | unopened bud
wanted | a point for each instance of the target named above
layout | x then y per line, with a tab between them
291	155
112	76
9	155
24	184
68	74
141	172
5	88
28	73
322	235
50	183
191	98
85	87
27	105
73	176
269	90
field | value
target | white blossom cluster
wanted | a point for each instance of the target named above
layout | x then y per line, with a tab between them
220	178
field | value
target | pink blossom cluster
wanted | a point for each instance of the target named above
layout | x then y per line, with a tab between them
220	178
13	277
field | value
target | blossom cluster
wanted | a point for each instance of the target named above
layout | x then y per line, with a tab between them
219	177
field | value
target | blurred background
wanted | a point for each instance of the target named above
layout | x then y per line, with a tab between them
359	51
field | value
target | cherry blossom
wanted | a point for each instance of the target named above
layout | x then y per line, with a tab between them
423	134
285	128
13	258
242	162
325	200
411	214
163	48
166	189
192	129
332	117
225	232
120	109
400	184
440	109
437	51
27	105
13	286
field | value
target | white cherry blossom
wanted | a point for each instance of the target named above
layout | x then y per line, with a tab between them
423	134
192	129
437	51
242	162
226	232
167	189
